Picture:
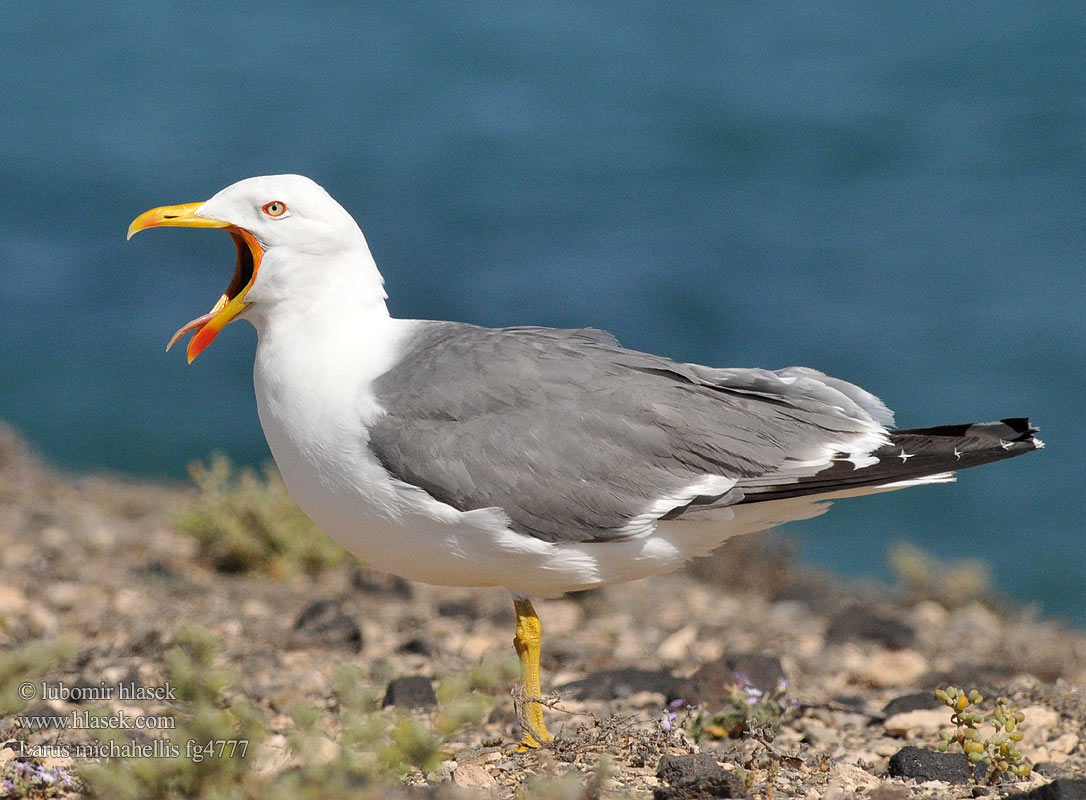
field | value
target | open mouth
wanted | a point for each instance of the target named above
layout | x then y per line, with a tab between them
232	303
240	282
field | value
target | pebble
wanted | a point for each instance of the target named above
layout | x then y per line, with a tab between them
628	645
45	623
820	734
1040	755
255	608
130	601
1057	751
677	646
848	781
12	600
473	776
1064	745
927	614
324	623
100	536
1040	722
65	595
892	668
920	722
474	647
885	747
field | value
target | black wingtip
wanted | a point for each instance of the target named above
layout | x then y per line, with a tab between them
914	453
1013	430
1022	427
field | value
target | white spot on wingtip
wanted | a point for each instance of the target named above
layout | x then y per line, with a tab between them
1005	444
905	456
957	453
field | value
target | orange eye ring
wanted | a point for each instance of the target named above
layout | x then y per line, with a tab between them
276	208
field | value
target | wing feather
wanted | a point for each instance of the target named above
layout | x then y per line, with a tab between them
578	439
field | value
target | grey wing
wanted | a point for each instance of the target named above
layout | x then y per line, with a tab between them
578	439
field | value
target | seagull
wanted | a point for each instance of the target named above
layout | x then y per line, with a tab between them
536	459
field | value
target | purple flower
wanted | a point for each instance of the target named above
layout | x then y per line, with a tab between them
753	693
667	719
38	775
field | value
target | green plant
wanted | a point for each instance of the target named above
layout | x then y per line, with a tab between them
26	664
998	750
349	747
746	706
248	522
215	737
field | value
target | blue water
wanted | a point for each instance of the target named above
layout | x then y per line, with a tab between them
896	196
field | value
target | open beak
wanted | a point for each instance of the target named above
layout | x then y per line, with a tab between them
232	302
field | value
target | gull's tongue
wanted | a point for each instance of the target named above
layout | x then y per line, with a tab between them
199	322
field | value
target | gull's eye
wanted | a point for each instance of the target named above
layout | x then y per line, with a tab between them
274	208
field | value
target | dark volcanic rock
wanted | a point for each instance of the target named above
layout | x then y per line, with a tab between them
614	684
416	645
911	702
1061	789
410	691
929	765
324	623
859	622
693	776
381	584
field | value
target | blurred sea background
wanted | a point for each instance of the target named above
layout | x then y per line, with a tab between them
892	193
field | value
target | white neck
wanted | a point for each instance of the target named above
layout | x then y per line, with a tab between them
325	335
320	342
296	287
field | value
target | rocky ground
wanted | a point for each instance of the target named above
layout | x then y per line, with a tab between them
747	675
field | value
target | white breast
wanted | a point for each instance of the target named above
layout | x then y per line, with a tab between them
314	402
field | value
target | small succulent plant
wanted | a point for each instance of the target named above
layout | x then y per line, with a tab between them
998	751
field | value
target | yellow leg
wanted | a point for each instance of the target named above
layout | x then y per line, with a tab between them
527	640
